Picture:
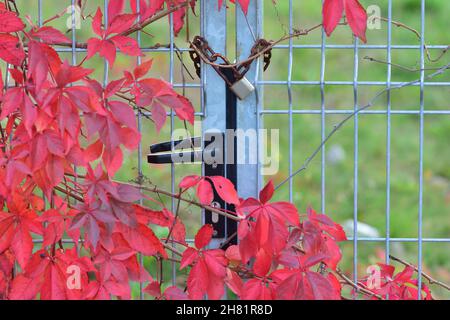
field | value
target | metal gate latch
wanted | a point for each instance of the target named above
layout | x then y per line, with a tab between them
212	155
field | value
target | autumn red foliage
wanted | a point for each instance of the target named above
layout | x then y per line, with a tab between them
62	139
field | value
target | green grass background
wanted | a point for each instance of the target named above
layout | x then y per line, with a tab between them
372	130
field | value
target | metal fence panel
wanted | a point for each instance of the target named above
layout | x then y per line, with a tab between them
251	111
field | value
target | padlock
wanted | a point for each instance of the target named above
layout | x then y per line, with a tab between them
234	77
242	88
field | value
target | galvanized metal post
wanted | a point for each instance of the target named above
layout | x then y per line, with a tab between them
249	29
214	30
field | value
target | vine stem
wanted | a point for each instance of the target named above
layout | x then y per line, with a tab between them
178	196
159	191
136	27
426	276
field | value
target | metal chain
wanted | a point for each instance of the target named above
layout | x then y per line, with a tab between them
201	51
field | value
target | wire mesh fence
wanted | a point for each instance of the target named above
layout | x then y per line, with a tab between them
379	171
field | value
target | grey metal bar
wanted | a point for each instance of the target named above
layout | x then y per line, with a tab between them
349	239
350	83
348	111
172	127
322	122
140	154
361	46
388	133
421	143
295	47
214	30
355	162
249	26
289	87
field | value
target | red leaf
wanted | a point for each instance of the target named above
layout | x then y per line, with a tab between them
205	192
306	286
207	275
143	239
159	115
189	181
97	22
225	189
146	216
115	7
175	293
22	245
332	14
10	22
234	282
266	194
204	236
197	281
270	231
355	13
94	151
155	91
243	4
23	288
255	289
142	69
121	23
188	258
49	35
127	45
357	18
232	253
105	49
262	263
153	289
1	84
179	231
123	113
69	74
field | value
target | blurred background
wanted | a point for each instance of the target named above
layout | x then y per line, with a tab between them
339	152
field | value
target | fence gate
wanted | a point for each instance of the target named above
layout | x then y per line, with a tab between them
364	91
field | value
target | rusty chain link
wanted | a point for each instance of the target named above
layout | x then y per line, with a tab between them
201	51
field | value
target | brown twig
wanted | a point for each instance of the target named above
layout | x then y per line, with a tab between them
356	286
296	34
430	279
177	212
400	66
178	196
404	26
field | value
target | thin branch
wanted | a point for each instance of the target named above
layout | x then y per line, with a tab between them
404	26
345	278
426	276
178	196
169	247
60	189
295	34
177	212
228	240
356	286
399	66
